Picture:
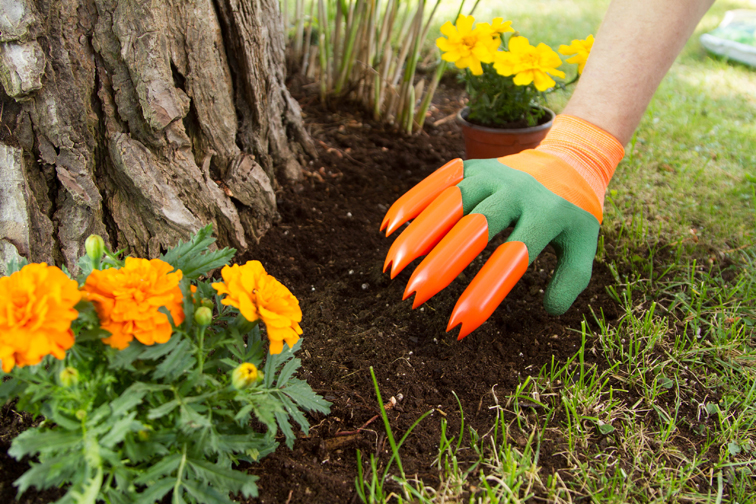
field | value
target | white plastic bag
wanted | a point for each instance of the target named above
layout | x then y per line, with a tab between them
735	37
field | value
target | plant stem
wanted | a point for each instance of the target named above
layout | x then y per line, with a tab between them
179	476
201	356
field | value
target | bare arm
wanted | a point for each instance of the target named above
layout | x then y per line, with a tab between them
635	46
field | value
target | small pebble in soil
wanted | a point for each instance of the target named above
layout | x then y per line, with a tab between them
351	272
349	214
365	286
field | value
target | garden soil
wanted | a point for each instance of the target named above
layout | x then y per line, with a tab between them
327	249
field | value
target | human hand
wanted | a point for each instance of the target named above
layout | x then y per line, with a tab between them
553	194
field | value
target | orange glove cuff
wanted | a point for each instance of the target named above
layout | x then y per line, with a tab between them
590	150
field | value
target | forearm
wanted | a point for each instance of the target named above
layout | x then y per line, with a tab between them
635	46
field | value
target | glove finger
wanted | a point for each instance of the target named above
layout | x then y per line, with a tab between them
576	249
490	286
425	231
416	199
446	261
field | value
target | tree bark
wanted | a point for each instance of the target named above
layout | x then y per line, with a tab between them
141	120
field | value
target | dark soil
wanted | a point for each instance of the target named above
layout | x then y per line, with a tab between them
327	249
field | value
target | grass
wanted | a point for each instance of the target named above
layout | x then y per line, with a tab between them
668	412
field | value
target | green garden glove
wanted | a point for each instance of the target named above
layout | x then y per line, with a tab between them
553	194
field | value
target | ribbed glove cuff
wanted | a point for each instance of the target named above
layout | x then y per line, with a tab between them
590	150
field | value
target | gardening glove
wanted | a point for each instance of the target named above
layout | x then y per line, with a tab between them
551	194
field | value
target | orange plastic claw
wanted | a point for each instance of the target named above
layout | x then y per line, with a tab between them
416	199
456	250
489	287
426	231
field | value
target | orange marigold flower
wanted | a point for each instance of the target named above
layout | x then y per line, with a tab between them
36	311
259	296
128	299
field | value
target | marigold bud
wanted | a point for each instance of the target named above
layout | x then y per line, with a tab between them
95	247
203	316
69	377
208	303
143	434
81	414
245	375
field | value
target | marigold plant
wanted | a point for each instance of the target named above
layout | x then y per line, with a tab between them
506	86
151	388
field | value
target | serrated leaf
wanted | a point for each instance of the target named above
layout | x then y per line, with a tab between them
605	429
163	468
302	394
224	478
138	451
160	349
33	441
193	420
162	410
127	400
10	388
205	493
175	363
117	497
51	472
119	430
734	448
296	414
124	358
283	424
156	491
288	371
193	257
243	413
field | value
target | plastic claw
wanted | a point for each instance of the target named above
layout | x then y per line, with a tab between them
426	231
416	199
490	286
446	261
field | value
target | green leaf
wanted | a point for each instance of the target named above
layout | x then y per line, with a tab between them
34	441
283	424
163	410
139	451
734	448
224	478
206	493
288	371
10	388
157	351
156	491
15	265
605	429
129	398
124	358
119	430
191	419
176	363
297	415
52	472
117	497
193	257
665	382
163	468
302	394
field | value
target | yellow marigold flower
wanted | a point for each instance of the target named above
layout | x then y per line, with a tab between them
36	311
128	299
259	296
581	49
467	47
528	64
245	375
498	26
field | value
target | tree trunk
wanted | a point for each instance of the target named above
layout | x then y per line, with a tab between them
141	120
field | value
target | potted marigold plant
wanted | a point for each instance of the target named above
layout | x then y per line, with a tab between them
506	79
154	381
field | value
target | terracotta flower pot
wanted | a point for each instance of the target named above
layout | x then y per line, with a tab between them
483	142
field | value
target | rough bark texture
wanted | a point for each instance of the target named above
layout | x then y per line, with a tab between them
141	121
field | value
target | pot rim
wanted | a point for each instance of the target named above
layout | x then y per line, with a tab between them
531	129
